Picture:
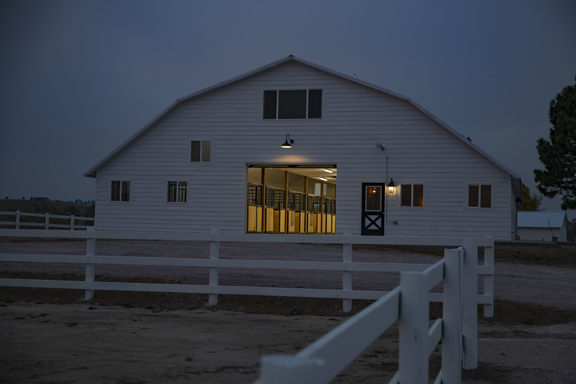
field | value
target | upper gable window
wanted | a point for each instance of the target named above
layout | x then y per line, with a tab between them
200	151
479	196
293	104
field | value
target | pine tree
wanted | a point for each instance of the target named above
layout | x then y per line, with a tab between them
559	154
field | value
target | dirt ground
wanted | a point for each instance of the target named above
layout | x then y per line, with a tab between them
51	336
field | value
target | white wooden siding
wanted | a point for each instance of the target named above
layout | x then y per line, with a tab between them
542	234
354	118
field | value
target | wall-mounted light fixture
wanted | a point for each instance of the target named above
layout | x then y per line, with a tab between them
380	146
288	143
391	186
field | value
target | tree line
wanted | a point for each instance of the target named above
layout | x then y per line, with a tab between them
46	199
558	155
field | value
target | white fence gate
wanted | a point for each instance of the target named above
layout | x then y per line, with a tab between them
321	361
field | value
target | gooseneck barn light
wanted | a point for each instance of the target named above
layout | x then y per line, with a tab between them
288	143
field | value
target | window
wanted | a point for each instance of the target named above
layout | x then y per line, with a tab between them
120	191
480	196
177	191
373	198
412	195
293	104
200	151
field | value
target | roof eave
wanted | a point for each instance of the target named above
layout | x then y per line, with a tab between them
93	171
424	110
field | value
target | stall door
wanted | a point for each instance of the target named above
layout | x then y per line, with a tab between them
373	209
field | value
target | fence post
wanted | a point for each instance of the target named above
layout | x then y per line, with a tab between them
489	279
452	317
413	328
47	221
213	280
470	304
281	369
347	275
17	219
71	222
90	252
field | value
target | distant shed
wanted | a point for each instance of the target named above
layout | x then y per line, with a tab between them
542	226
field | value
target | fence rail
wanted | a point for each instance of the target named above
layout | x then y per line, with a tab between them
215	235
408	304
412	296
70	220
214	263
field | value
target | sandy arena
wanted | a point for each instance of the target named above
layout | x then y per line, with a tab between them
130	338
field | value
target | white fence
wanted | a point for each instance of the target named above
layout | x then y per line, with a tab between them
70	220
413	295
409	305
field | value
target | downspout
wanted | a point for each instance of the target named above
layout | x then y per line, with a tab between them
386	199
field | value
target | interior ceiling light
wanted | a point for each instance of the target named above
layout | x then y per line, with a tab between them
323	179
328	170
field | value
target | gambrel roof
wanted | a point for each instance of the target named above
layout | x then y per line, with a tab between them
541	219
516	179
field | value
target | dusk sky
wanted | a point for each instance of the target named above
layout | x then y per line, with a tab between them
77	78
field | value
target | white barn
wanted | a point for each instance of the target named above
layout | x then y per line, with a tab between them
543	226
213	160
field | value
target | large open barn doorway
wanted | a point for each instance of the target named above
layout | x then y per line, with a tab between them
291	199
